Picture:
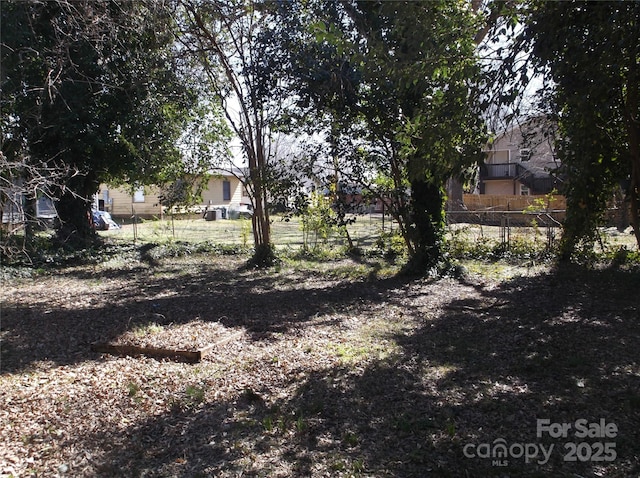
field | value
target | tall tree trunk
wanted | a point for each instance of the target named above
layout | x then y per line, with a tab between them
30	218
263	254
427	234
455	195
74	211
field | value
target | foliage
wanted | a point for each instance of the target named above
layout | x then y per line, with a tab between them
516	251
93	88
391	245
182	192
394	102
318	221
541	204
203	144
587	56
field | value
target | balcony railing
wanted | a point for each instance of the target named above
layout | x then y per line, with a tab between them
498	171
537	185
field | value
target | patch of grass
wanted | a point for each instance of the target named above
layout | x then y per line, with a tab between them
339	265
353	468
279	423
317	254
338	465
450	428
147	329
268	424
301	424
133	389
350	439
350	353
195	394
358	466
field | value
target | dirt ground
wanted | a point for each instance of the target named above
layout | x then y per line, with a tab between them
333	369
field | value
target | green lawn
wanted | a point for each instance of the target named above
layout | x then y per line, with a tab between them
288	233
364	231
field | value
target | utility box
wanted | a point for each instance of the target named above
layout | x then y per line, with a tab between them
211	215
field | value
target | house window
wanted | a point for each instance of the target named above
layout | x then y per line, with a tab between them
138	196
525	154
226	191
524	190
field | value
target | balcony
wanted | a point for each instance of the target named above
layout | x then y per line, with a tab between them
517	171
499	171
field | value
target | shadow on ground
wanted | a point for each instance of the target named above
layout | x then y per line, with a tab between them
561	346
261	303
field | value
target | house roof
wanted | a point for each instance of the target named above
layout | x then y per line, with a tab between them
229	172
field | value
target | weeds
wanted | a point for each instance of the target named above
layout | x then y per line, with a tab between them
282	423
516	250
133	389
350	439
267	423
195	394
245	231
391	246
381	250
147	329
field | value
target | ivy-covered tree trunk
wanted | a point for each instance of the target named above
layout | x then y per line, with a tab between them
74	212
427	231
412	93
591	52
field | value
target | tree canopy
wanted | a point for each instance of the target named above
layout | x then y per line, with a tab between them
96	92
395	80
94	87
231	43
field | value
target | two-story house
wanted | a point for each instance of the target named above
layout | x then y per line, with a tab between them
521	160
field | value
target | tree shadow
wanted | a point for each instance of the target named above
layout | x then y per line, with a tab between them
261	303
560	346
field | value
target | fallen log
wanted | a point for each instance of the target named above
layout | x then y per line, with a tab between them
190	356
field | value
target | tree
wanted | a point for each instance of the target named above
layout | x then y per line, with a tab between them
21	184
230	39
94	87
396	77
583	57
592	53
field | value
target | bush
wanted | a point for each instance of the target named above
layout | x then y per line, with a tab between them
486	249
